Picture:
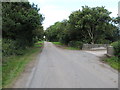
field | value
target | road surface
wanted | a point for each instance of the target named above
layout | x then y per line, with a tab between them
61	68
99	53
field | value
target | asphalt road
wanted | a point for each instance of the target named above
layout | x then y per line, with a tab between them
61	68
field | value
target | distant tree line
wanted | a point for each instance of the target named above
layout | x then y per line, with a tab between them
89	25
21	26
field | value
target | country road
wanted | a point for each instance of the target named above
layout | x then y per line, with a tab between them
61	68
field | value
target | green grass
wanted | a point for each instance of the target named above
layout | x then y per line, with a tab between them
15	65
114	62
66	47
0	77
38	44
57	43
0	64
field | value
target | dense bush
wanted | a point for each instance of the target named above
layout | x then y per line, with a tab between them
88	25
77	44
116	46
10	47
21	28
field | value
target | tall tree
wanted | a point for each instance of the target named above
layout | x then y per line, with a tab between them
19	22
91	22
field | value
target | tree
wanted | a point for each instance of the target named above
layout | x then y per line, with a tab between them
19	22
89	25
38	33
116	20
22	26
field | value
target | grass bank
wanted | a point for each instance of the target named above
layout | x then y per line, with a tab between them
65	46
57	43
15	65
114	62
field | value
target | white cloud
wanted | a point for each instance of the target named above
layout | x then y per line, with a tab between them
53	14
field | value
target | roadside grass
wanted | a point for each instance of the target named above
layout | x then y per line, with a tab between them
72	48
0	64
15	65
57	43
64	46
0	77
38	44
114	62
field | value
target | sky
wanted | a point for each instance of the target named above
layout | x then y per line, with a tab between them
58	10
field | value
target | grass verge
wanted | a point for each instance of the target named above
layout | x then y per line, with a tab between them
65	46
72	48
114	62
15	65
0	76
57	43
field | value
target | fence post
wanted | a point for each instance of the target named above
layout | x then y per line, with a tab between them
110	51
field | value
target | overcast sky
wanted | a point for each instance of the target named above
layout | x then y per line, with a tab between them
58	10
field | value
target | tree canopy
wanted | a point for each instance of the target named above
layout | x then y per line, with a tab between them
22	24
89	25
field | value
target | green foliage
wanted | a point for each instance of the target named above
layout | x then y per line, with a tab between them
10	47
19	22
57	43
72	48
65	46
116	46
15	64
76	44
116	20
53	33
113	62
89	25
38	34
39	44
22	27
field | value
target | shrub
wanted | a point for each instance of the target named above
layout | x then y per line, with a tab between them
77	44
103	41
116	46
10	47
6	47
113	62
